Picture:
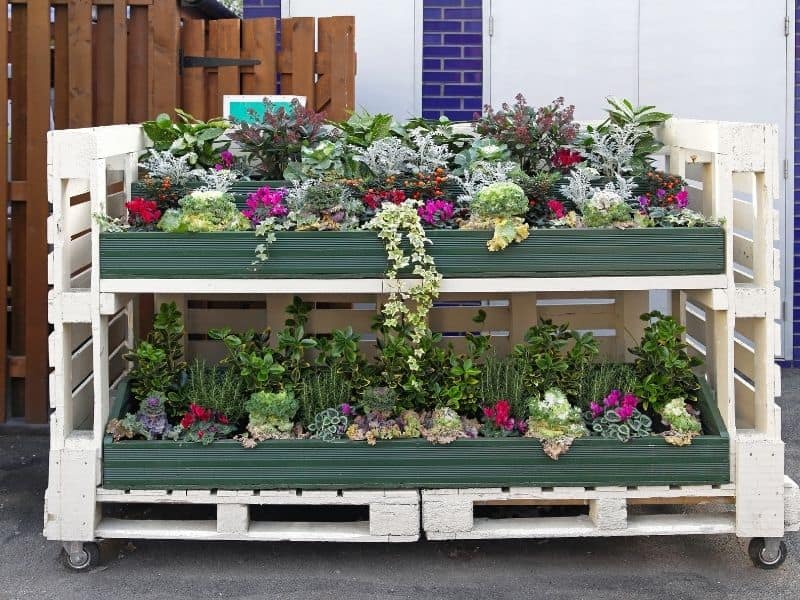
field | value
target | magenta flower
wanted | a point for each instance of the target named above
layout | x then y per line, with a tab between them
661	193
612	399
683	198
436	212
226	158
644	201
625	412
265	203
596	409
346	409
630	400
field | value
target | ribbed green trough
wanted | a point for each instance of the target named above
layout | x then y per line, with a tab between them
360	254
482	462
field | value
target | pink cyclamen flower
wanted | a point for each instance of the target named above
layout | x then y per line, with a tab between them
612	399
557	208
596	409
683	198
625	412
265	203
630	400
436	212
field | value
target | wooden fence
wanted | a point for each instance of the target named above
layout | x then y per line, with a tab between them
99	62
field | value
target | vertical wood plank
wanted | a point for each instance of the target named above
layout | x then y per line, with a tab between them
4	223
193	42
337	55
162	56
80	62
298	57
137	65
61	68
103	66
258	37
19	121
228	82
120	89
38	109
211	75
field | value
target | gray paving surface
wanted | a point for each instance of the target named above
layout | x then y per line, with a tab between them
669	567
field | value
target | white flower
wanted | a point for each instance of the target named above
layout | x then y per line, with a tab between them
605	200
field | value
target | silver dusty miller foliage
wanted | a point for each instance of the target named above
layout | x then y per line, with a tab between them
482	174
165	164
386	156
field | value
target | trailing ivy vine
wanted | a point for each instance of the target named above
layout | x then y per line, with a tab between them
407	305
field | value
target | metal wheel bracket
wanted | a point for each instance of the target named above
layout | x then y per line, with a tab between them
772	549
77	553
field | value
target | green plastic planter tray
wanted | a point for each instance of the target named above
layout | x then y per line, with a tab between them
323	254
483	462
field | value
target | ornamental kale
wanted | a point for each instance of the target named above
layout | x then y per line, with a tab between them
554	422
501	205
682	421
203	211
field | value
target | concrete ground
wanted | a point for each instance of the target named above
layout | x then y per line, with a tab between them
670	567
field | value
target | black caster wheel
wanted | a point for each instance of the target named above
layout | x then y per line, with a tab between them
83	557
764	559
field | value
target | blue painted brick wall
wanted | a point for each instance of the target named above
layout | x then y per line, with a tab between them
452	58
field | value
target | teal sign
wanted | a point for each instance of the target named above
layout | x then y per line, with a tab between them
251	107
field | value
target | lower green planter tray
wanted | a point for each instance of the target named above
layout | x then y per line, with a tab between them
322	254
482	462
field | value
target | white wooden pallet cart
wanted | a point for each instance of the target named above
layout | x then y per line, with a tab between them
730	318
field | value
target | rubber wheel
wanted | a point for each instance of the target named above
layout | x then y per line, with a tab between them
756	551
89	559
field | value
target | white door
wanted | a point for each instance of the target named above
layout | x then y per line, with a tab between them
723	60
583	50
708	59
388	50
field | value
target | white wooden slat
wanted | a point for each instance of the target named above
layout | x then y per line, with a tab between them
743	216
79	218
201	320
744	358
459	318
742	250
745	403
80	252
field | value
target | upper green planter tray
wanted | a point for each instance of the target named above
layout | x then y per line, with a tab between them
323	254
481	462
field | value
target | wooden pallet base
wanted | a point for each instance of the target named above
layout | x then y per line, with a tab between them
449	514
393	516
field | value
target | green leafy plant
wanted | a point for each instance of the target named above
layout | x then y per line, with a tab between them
293	343
158	361
618	417
643	119
504	379
216	388
361	129
198	140
251	359
322	389
379	400
555	358
663	366
598	380
328	425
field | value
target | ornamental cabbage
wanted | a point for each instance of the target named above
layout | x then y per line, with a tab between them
500	200
203	211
